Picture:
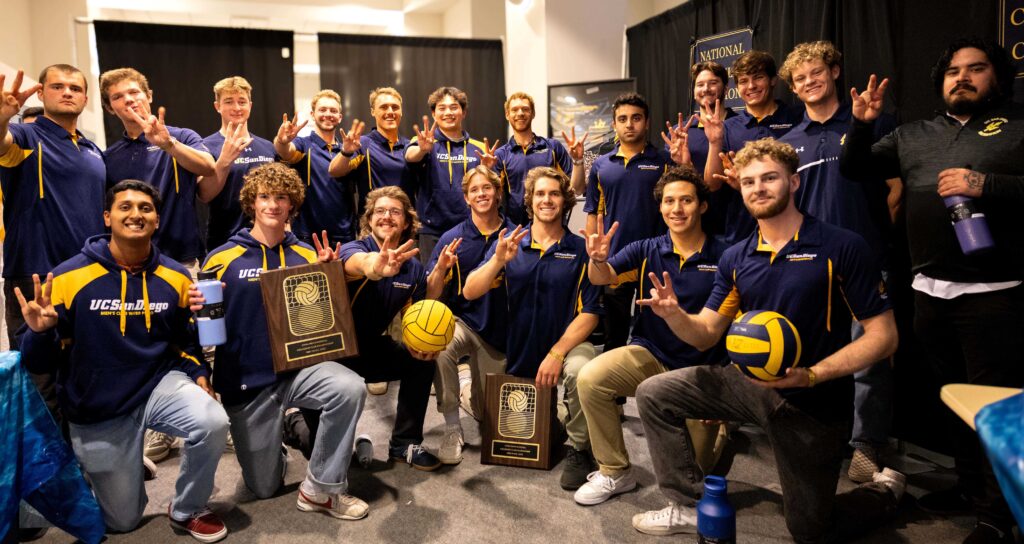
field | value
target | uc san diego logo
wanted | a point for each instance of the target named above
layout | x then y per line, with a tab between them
993	126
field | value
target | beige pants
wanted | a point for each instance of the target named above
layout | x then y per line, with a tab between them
484	359
570	412
617	373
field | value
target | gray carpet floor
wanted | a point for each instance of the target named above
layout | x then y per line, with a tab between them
480	503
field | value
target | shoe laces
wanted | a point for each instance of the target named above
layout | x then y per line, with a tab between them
600	481
453	434
156	438
412	451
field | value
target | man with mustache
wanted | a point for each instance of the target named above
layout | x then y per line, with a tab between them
966	307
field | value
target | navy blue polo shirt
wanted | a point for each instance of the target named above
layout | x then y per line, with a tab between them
692	280
48	219
487	315
329	203
623	190
546	290
380	163
226	216
375	303
740	129
178	235
825	192
824	277
439	199
514	162
697	141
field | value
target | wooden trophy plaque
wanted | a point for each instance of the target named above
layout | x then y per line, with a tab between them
309	317
519	424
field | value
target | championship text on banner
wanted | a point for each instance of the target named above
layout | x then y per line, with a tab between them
1011	36
724	49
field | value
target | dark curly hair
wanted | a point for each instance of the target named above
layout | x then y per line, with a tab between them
682	172
997	55
273	178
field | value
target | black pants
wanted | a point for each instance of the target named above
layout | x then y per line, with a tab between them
46	383
618	317
976	339
427	242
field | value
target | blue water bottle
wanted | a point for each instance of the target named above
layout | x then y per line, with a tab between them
970	224
210	318
716	518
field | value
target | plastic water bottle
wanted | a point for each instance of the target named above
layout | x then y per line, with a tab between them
970	224
210	319
716	518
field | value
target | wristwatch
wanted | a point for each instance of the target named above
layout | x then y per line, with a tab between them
172	142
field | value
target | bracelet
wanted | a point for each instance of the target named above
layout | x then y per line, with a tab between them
595	261
577	162
556	355
172	141
812	378
348	155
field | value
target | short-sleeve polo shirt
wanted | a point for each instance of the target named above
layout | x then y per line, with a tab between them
821	280
692	279
226	216
623	190
329	203
514	162
53	186
380	163
375	303
136	158
546	290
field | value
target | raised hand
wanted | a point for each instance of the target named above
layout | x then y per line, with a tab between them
449	255
677	139
487	158
38	312
599	243
507	247
575	146
11	101
425	138
154	128
714	124
235	142
663	301
729	175
350	140
867	106
389	261
324	253
289	129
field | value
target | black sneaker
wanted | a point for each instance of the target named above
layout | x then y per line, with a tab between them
416	456
945	502
984	533
575	468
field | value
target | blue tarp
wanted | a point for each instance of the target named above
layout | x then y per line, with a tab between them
1001	427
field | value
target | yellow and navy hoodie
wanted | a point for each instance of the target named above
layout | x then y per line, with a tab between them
243	365
439	201
118	332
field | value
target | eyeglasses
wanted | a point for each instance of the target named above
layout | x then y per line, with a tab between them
393	212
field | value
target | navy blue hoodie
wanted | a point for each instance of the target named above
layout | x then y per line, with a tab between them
439	200
117	333
243	365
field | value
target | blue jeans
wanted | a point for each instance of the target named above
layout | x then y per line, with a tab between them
336	392
872	401
111	451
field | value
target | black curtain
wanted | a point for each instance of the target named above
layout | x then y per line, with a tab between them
900	40
182	63
355	65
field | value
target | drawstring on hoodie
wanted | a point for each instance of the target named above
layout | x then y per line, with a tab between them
145	302
280	249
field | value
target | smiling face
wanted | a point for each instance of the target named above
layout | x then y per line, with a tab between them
766	187
233	107
707	88
127	95
755	89
481	195
814	82
63	93
387	112
388	219
680	207
969	81
520	114
449	114
548	201
326	114
132	217
271	210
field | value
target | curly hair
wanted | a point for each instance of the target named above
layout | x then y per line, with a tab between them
274	178
775	150
412	220
997	55
682	172
806	52
569	196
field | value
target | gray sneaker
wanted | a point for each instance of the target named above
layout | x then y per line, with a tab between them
578	464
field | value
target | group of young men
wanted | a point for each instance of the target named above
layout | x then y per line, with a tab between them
779	207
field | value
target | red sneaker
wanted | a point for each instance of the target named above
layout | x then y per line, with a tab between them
204	526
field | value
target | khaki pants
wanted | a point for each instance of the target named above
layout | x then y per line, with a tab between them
570	412
617	373
484	359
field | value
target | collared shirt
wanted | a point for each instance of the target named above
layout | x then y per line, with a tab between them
697	142
329	201
623	190
514	162
692	279
439	200
826	193
546	290
53	186
226	216
127	158
824	277
380	163
487	315
375	303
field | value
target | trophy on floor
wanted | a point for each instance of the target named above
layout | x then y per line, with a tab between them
519	425
309	317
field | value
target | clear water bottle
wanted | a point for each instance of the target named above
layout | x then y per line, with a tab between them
716	518
210	318
970	224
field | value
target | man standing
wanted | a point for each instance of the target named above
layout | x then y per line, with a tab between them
329	202
444	153
965	306
237	151
115	324
52	179
791	265
526	151
620	189
170	158
552	307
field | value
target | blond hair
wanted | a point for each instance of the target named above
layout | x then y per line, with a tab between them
412	220
775	150
233	84
520	96
383	90
481	170
325	93
806	52
112	77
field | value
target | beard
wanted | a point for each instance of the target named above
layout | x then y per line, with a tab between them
771	210
968	105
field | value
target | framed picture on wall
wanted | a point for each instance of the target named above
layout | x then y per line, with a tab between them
586	106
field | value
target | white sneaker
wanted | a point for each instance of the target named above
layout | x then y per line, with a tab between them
341	506
451	448
670	520
157	446
148	469
895	481
601	487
